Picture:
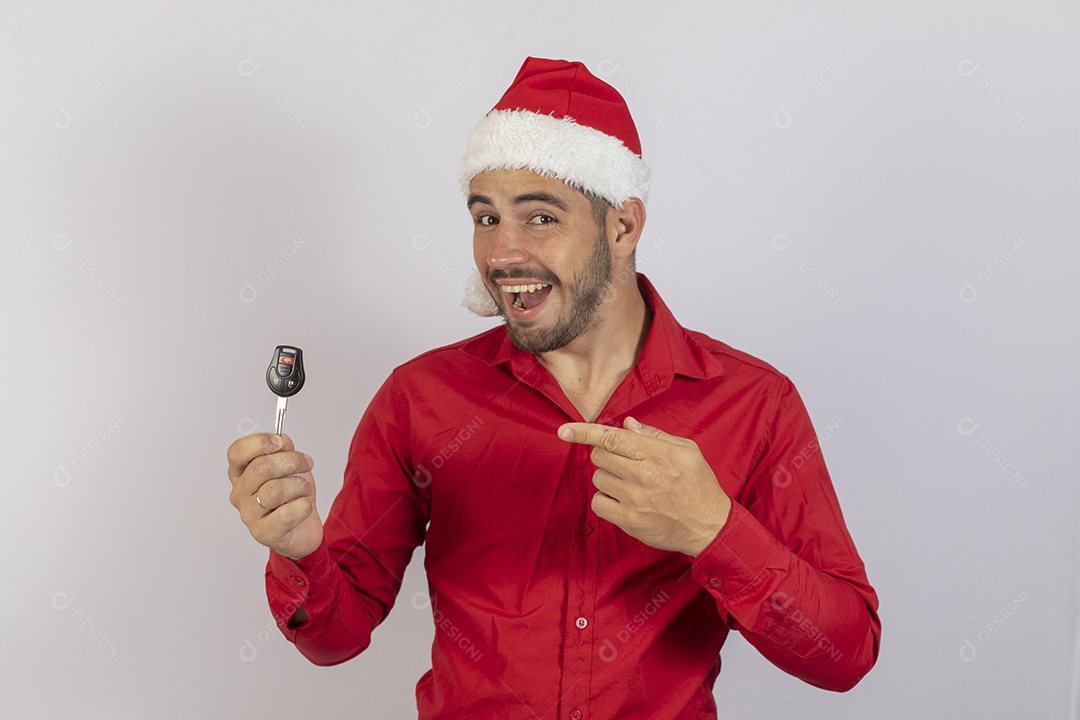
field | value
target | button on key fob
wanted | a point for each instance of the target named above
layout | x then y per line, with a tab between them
285	377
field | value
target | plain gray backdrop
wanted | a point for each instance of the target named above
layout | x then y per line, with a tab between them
878	198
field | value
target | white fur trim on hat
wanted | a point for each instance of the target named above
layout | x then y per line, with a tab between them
577	154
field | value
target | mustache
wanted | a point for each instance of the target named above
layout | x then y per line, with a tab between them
541	275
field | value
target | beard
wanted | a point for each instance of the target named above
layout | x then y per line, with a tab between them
583	295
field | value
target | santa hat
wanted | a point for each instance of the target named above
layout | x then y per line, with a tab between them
559	120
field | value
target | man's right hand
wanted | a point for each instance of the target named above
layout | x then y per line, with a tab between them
274	491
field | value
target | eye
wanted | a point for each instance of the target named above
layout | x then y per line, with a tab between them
484	220
542	219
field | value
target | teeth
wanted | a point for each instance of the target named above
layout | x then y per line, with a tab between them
524	288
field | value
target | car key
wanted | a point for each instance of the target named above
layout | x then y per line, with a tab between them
285	377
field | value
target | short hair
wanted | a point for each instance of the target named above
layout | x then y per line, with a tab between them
600	208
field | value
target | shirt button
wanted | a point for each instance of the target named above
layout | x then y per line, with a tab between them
582	623
716	582
586	529
298	580
575	715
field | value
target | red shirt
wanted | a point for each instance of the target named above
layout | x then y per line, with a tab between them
543	610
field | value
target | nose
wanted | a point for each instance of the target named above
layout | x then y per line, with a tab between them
507	246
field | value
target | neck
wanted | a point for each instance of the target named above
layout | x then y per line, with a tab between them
594	363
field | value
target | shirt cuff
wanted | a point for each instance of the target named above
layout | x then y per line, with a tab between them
740	562
308	582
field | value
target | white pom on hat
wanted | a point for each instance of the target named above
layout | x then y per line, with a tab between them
477	298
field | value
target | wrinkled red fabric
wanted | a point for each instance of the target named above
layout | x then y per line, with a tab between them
543	610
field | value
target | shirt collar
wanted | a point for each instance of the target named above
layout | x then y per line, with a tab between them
669	348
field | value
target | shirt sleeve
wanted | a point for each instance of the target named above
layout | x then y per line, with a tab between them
349	584
784	570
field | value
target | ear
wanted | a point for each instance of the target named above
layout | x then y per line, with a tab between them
624	227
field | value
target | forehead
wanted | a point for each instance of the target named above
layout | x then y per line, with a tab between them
504	185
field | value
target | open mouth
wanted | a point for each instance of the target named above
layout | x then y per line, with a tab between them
526	297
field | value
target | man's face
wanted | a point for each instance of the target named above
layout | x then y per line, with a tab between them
536	232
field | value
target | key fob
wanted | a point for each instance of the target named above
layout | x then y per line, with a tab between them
285	376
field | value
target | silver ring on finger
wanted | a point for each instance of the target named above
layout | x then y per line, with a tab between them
260	502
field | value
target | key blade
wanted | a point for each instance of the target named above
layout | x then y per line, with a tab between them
282	405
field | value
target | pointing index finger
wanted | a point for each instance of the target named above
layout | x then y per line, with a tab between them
614	440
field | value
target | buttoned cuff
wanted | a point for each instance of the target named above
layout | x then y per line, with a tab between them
742	564
291	583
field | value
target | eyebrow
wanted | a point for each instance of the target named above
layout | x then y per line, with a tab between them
520	199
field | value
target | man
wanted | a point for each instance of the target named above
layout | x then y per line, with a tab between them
603	494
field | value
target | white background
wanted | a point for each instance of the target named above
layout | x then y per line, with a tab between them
184	185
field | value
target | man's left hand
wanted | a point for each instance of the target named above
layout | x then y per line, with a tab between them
655	486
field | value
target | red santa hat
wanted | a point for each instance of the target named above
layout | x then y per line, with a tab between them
559	120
